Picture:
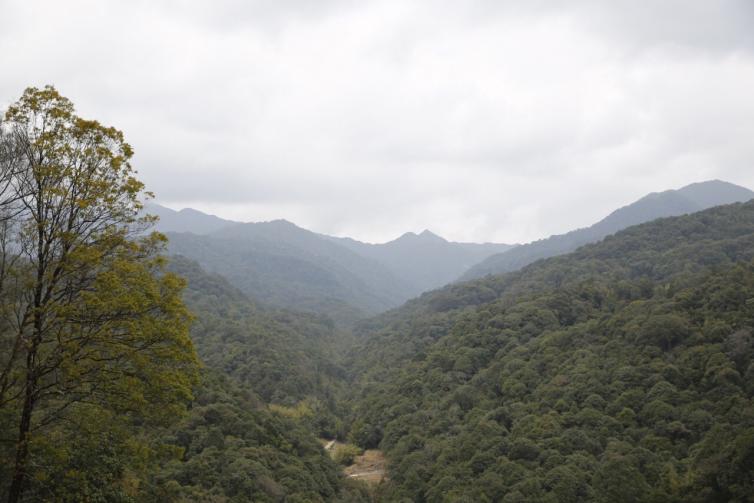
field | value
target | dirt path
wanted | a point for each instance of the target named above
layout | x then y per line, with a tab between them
369	467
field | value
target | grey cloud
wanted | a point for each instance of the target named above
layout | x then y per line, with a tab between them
482	120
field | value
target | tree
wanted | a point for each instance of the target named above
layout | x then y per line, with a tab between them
90	321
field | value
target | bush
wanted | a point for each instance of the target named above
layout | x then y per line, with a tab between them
346	453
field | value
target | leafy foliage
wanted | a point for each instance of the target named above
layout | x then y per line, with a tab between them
231	448
286	357
622	372
346	453
269	388
94	333
288	267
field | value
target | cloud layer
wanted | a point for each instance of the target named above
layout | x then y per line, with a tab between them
481	120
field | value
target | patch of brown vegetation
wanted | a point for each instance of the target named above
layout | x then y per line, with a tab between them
369	467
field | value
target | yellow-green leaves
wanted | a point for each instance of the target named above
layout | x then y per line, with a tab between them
93	327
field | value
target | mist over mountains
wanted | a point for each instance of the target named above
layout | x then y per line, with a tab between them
186	220
689	199
284	265
491	356
444	264
426	260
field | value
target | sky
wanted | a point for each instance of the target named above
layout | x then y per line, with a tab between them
483	120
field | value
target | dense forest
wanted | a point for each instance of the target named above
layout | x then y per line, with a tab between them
287	358
119	383
283	265
620	372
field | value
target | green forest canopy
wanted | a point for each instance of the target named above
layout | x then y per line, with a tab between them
621	372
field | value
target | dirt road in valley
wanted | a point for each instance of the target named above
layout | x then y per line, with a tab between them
369	467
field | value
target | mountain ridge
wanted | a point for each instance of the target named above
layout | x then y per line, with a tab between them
285	265
581	368
688	199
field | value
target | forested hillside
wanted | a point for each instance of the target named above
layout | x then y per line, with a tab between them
285	266
286	358
620	373
103	397
270	387
231	447
694	197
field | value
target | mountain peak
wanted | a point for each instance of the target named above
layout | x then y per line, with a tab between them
424	236
281	222
185	220
715	192
427	235
689	199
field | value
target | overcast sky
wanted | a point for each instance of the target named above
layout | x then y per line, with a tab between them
480	120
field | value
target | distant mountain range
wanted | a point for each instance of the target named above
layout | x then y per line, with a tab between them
186	220
689	199
283	265
426	261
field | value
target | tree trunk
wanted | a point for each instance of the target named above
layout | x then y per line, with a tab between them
22	449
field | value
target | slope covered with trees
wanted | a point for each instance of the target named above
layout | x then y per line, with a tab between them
286	266
231	447
94	344
621	372
271	386
694	197
286	358
101	394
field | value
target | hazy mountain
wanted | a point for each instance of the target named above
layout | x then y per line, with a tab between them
689	199
284	265
186	220
425	260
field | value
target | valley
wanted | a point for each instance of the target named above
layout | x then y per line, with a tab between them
263	362
376	252
529	383
369	466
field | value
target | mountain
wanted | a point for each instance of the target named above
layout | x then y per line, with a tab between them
185	220
284	356
240	440
283	265
620	372
689	199
426	261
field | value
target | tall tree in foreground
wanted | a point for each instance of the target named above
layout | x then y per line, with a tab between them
94	334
